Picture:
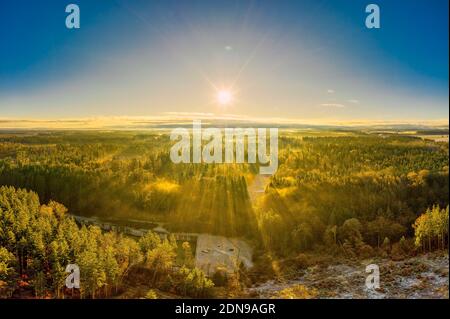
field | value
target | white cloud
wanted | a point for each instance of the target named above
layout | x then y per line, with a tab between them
353	101
330	91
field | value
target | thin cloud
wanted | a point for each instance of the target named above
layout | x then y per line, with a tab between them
353	101
332	105
330	91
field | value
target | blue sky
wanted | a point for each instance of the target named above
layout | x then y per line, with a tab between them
289	59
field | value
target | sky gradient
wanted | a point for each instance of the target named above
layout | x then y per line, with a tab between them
306	60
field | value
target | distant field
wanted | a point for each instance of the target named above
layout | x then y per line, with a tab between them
435	138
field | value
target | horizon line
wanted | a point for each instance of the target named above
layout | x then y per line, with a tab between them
181	118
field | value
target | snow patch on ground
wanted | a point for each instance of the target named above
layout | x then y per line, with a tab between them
424	276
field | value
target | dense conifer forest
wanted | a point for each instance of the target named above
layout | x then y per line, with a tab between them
336	193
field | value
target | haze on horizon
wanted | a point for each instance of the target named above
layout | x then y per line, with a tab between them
309	60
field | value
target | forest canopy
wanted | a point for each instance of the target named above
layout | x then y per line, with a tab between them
331	186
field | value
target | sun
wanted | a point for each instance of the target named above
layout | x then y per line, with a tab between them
224	97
